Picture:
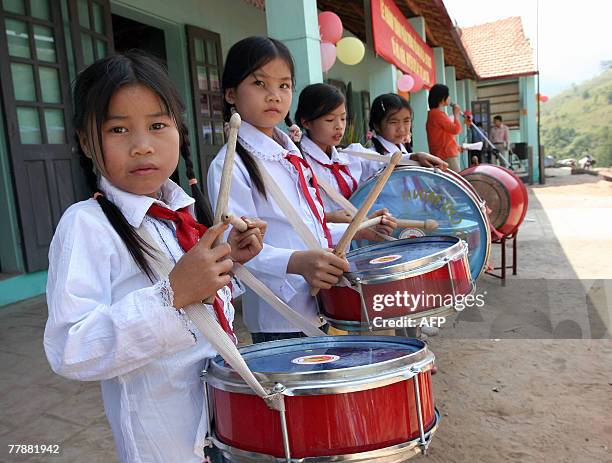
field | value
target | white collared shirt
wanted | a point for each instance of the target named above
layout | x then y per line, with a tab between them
390	147
107	322
315	155
361	169
280	240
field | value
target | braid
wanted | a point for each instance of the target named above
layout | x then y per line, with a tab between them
202	207
136	246
252	168
378	146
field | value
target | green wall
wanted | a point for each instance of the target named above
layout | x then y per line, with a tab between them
11	258
231	19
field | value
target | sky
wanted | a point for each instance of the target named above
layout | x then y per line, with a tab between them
574	35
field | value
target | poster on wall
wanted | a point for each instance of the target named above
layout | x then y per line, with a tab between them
396	41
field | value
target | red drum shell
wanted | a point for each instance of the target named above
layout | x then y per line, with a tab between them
343	302
504	193
436	284
370	419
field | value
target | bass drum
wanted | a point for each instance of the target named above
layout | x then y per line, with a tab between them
421	193
505	194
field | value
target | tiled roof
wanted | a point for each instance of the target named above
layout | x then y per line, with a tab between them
499	49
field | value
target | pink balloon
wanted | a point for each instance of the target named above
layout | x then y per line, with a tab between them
330	27
405	83
543	98
418	83
328	55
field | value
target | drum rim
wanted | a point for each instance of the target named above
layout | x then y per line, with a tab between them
469	191
415	267
343	380
408	449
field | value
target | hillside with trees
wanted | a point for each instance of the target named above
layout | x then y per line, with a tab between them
577	121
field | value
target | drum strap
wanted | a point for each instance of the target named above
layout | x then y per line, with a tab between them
337	197
309	239
212	331
374	156
345	204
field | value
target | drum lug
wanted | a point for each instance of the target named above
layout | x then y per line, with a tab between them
208	440
364	308
423	441
276	401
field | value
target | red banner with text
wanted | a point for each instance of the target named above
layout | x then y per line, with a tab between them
398	43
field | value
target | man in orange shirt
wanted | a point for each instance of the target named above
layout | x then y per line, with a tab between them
441	129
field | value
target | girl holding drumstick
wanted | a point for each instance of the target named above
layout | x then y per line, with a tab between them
111	319
258	83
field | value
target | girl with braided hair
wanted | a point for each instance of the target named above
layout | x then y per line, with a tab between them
111	318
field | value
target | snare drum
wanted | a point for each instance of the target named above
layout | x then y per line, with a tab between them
428	273
353	398
421	193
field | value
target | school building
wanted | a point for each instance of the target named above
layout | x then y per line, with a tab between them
46	42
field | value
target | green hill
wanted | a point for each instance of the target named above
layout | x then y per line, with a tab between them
577	121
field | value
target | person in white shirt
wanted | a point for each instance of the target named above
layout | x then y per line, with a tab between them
391	122
111	318
499	135
257	83
321	112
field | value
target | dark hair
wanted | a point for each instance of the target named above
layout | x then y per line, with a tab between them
317	100
244	58
498	118
382	107
93	90
437	94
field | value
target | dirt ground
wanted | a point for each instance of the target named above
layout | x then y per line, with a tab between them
526	378
528	399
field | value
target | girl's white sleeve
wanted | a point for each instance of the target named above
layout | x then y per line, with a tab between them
271	263
88	337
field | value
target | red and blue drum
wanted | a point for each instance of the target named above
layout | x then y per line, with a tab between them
395	281
421	193
346	398
504	193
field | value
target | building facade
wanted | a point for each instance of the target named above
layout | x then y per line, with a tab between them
47	42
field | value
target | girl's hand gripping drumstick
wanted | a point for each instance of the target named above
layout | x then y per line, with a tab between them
364	209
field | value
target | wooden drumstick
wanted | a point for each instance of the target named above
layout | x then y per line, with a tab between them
226	178
226	173
235	222
367	204
428	224
370	222
349	233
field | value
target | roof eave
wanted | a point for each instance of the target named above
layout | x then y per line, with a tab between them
508	76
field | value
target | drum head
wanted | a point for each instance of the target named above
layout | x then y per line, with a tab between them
304	359
392	257
419	193
495	195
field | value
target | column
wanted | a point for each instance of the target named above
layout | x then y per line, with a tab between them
462	137
418	100
439	63
528	97
383	78
382	75
294	22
